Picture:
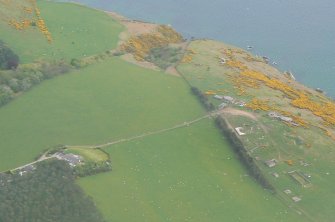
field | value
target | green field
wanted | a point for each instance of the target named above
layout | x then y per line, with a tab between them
189	174
106	101
74	31
90	155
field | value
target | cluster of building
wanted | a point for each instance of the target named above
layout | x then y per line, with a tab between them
72	159
228	100
26	169
300	178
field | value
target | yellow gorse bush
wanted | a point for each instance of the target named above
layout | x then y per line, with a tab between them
248	78
141	45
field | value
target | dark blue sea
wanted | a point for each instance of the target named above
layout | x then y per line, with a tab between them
299	35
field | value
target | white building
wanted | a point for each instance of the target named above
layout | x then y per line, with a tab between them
239	131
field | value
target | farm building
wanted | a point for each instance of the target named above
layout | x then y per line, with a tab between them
282	118
72	159
228	99
218	97
286	119
274	115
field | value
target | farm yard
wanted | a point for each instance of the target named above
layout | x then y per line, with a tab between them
294	139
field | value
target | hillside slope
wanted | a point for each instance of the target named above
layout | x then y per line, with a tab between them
280	120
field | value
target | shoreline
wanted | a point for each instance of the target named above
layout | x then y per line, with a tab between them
303	73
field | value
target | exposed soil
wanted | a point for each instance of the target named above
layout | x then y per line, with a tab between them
237	112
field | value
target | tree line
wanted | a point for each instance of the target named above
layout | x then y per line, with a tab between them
243	154
203	99
15	79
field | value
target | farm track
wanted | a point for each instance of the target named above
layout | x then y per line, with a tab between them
184	124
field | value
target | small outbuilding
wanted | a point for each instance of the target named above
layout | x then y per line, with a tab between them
296	199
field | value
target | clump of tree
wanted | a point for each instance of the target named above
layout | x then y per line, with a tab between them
243	154
92	168
165	56
203	99
8	59
12	82
48	193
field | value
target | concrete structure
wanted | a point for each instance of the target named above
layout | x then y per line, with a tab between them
286	119
276	175
239	131
271	163
222	60
287	191
296	199
222	105
218	97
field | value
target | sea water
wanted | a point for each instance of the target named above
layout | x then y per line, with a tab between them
298	35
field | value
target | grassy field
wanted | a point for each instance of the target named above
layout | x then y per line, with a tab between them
90	155
73	28
103	102
189	174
